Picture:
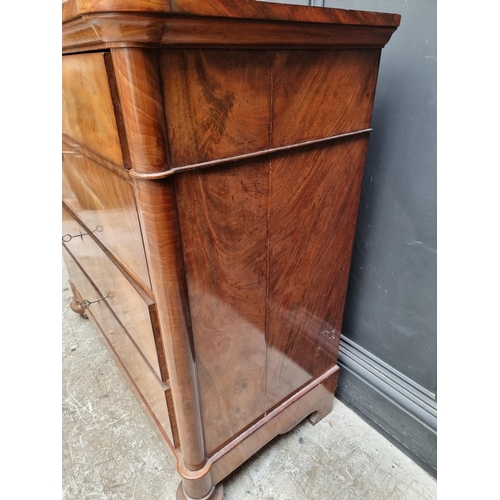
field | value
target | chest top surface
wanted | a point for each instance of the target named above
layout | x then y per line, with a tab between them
229	9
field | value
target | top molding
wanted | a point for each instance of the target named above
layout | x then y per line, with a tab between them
101	24
230	9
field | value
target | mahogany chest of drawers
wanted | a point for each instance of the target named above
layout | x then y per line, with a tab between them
213	154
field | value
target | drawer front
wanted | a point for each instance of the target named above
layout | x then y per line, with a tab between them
135	314
87	105
103	200
138	371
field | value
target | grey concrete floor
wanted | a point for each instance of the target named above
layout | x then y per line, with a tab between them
110	451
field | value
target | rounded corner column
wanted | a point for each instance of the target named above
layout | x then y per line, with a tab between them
139	88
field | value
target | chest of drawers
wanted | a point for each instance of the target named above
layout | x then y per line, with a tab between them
213	154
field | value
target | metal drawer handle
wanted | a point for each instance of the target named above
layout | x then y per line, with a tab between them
85	304
68	237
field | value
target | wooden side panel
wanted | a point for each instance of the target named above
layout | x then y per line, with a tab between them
223	219
100	198
88	114
217	103
314	199
132	311
136	368
322	93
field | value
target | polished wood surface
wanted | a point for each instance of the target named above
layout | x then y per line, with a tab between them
157	204
75	303
99	24
318	399
217	493
225	142
145	126
223	219
218	103
70	146
104	200
130	308
138	82
309	264
250	9
117	30
88	113
221	104
322	93
138	371
243	33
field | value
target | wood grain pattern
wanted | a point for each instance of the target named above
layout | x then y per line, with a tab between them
113	88
270	34
141	29
250	9
138	82
280	12
132	311
309	263
248	260
243	157
70	146
139	87
77	35
322	93
100	198
138	371
88	114
158	209
217	103
127	30
223	219
319	399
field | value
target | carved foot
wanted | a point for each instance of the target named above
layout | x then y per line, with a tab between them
75	307
75	303
320	413
216	494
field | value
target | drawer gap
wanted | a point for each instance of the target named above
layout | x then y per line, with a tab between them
145	294
164	385
76	146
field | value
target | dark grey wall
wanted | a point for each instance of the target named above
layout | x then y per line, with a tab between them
391	307
389	347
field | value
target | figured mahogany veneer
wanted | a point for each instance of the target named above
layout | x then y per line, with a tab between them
137	313
106	201
213	154
154	392
88	105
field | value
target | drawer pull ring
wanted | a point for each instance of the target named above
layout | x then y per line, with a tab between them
68	237
85	304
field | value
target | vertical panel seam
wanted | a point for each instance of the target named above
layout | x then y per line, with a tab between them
266	333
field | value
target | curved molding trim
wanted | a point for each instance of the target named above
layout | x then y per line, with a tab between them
232	159
269	416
